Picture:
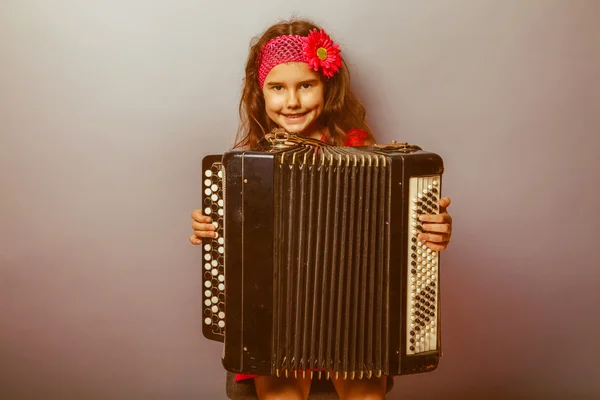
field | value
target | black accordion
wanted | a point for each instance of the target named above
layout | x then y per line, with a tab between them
316	267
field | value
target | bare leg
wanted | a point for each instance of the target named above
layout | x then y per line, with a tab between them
363	389
274	388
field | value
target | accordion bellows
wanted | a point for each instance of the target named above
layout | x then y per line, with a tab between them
317	267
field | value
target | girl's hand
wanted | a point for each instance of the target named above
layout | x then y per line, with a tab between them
437	228
202	226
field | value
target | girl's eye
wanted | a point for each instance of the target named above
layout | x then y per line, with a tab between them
306	85
277	87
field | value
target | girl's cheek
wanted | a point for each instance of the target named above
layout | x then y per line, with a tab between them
274	101
312	100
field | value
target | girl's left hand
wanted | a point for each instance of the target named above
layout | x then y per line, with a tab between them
437	228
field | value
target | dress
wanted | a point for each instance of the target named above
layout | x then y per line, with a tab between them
354	138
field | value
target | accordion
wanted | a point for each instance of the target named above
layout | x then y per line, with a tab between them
317	267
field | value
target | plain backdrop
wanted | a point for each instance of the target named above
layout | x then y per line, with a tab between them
107	108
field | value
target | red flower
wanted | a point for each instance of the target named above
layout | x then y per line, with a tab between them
321	52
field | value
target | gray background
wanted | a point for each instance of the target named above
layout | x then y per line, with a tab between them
107	108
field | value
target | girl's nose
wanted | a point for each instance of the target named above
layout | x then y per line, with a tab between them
292	100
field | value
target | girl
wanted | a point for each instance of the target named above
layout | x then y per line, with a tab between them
297	80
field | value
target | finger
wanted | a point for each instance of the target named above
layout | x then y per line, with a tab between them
195	240
203	218
442	228
198	216
444	203
436	218
437	246
205	234
434	237
197	226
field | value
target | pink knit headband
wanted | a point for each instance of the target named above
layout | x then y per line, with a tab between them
317	50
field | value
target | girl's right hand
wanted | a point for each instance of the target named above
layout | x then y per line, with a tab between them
202	226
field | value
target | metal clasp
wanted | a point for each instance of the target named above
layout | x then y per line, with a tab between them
401	147
279	138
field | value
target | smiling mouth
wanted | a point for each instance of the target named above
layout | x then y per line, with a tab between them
295	115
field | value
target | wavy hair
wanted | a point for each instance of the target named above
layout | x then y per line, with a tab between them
342	109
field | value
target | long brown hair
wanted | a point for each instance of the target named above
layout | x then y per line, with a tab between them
342	110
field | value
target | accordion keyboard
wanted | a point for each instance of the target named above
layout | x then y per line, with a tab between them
423	269
213	250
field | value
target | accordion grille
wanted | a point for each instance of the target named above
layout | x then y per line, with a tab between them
331	263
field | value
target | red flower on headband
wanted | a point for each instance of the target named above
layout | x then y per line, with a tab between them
321	52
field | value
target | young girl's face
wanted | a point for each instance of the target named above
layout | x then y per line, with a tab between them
294	98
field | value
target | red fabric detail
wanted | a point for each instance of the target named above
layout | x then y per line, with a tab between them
241	377
354	137
282	49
